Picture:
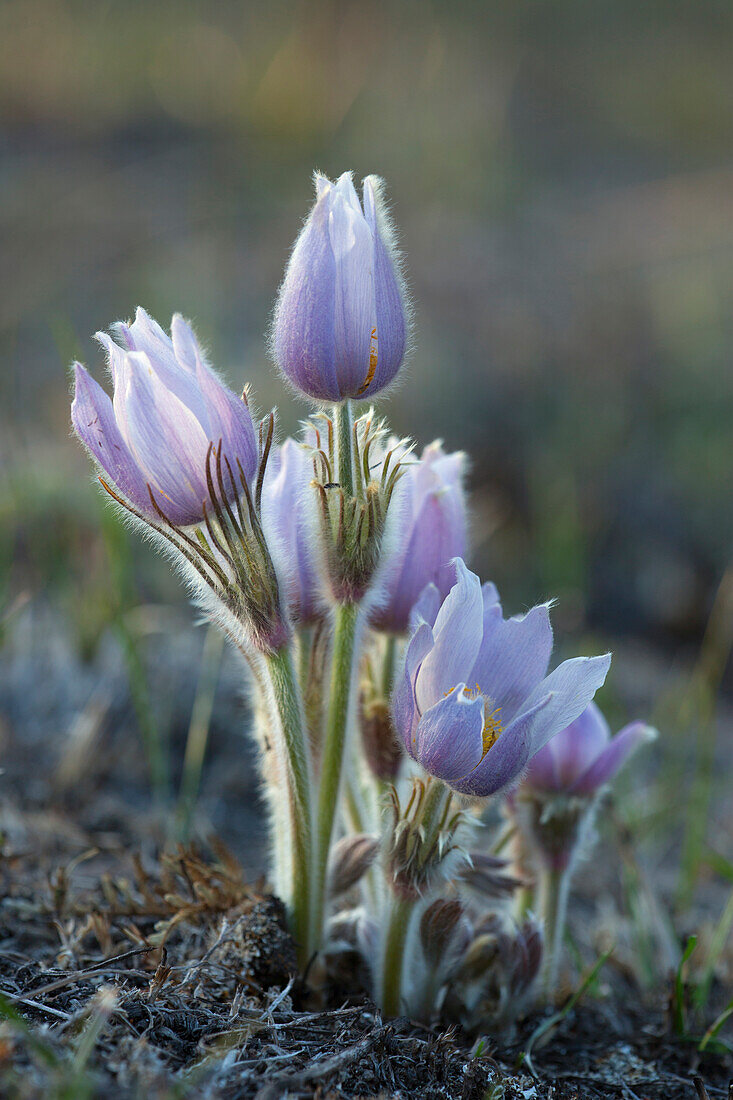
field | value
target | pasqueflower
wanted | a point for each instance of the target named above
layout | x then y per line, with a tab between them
153	438
474	702
432	531
340	326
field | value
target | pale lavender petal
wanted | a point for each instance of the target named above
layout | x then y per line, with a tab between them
447	741
303	335
289	522
428	548
426	607
505	761
354	307
389	298
165	438
572	686
458	630
229	421
94	421
570	752
147	337
404	705
513	657
490	595
613	757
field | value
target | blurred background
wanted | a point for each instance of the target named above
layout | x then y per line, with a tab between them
561	175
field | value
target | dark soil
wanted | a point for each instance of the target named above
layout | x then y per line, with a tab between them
183	975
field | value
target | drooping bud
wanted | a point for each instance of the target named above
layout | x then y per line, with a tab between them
340	324
350	859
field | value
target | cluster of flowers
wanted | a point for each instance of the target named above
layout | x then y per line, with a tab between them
393	696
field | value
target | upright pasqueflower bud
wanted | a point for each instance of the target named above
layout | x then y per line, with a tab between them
474	702
180	452
432	531
340	324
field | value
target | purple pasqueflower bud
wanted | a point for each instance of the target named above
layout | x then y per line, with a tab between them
432	531
340	326
290	523
583	757
153	439
474	702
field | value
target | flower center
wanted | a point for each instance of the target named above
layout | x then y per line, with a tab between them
492	725
372	361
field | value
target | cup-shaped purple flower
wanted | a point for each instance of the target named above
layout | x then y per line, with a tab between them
432	531
340	326
290	523
583	757
153	438
474	702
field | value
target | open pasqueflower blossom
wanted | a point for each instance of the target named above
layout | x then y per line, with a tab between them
474	702
340	325
290	523
432	531
153	438
584	757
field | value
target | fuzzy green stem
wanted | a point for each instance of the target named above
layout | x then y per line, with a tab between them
393	958
289	706
343	423
553	903
342	675
402	909
388	666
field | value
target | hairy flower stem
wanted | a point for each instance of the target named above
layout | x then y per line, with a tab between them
344	658
553	906
342	675
403	909
289	707
344	422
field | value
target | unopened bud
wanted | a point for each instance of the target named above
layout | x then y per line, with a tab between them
381	748
351	858
438	928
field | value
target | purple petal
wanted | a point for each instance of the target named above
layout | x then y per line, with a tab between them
572	685
612	758
457	631
94	422
505	761
165	438
447	741
426	607
354	308
404	704
567	755
389	304
303	335
289	522
513	658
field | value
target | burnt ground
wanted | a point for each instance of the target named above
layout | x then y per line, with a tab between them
130	966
